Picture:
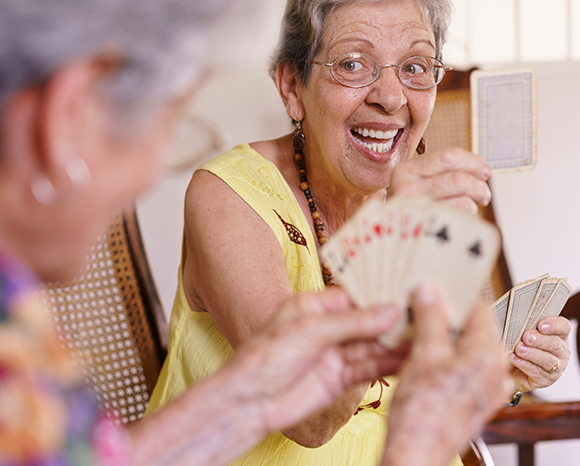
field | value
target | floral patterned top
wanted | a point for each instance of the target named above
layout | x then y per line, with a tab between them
47	417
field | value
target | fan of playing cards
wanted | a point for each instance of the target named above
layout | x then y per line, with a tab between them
387	249
526	304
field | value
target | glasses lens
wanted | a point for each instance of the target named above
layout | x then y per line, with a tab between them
355	69
421	72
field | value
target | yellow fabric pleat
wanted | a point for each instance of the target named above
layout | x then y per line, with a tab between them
197	348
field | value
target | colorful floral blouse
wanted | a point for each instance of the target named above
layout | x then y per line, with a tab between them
47	418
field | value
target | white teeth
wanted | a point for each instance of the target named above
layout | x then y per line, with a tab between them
375	147
376	134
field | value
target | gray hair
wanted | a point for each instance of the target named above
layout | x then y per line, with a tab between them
162	44
303	27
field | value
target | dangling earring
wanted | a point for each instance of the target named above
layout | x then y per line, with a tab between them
298	137
43	190
78	173
422	147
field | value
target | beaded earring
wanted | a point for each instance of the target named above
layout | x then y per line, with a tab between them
422	147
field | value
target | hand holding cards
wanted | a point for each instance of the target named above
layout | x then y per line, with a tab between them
527	303
387	249
503	118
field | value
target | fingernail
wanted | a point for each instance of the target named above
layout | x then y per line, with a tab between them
486	173
522	349
545	328
531	338
425	295
515	359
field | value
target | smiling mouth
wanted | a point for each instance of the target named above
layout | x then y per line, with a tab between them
376	140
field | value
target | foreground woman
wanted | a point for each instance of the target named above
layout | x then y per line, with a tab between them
89	91
358	78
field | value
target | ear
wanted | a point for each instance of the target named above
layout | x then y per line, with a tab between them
70	111
287	84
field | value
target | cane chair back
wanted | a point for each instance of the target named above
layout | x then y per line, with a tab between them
110	319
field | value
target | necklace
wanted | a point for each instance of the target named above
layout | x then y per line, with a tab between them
298	143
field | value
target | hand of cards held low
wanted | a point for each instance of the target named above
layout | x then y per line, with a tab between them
527	303
387	249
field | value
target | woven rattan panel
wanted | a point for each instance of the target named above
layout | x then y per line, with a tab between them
100	319
450	124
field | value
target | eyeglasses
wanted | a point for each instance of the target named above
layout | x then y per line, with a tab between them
360	70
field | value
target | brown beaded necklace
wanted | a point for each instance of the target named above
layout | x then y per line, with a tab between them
298	143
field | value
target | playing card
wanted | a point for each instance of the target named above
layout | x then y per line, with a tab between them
545	290
499	311
520	302
503	118
411	222
456	251
387	249
341	264
556	301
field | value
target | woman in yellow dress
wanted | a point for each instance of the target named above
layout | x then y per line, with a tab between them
359	80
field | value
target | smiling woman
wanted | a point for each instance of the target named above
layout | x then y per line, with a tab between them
358	78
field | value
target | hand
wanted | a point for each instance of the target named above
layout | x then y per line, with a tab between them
316	347
447	389
452	176
542	355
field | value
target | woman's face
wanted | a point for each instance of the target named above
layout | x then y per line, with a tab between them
342	124
121	168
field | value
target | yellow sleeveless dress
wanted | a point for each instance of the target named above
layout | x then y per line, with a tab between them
197	348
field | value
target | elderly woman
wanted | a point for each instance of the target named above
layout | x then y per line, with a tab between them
88	93
359	80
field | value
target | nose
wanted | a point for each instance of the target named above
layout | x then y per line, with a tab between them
388	91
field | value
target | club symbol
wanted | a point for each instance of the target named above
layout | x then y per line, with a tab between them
475	250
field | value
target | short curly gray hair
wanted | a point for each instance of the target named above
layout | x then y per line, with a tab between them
162	44
303	27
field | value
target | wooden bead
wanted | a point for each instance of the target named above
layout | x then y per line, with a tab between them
304	186
297	156
322	239
320	232
318	222
316	214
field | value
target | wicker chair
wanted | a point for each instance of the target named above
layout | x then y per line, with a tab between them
533	420
111	320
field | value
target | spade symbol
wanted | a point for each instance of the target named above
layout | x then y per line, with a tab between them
442	235
475	250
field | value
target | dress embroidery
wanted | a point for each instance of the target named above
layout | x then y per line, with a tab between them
293	232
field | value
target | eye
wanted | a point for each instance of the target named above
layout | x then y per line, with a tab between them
414	68
351	65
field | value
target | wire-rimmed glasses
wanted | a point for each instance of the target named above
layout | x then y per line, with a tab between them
360	70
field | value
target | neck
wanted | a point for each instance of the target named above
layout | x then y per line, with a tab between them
336	202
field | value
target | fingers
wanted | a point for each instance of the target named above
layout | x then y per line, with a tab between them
544	360
451	159
532	339
449	185
329	318
479	329
559	326
430	320
453	175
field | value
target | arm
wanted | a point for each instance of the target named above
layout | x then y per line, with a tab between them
452	176
315	348
447	390
235	269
